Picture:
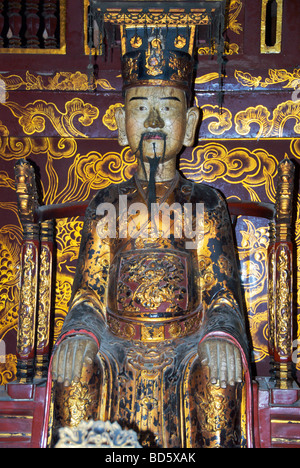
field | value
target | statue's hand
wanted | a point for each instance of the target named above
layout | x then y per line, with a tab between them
70	356
223	359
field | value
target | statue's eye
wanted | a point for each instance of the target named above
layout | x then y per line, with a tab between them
166	109
142	108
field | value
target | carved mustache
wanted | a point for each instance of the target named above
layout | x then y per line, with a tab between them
153	136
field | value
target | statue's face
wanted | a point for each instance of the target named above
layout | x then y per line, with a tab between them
158	119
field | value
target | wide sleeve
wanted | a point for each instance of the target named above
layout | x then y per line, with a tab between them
220	283
87	310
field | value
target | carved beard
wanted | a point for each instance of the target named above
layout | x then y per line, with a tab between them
153	162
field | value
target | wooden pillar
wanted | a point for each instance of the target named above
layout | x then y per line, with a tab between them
271	294
27	204
283	276
44	300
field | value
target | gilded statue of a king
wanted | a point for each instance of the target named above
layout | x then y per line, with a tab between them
155	336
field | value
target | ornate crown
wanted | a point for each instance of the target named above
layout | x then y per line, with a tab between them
158	56
158	36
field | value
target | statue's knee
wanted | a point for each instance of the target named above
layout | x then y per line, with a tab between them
220	415
79	400
218	410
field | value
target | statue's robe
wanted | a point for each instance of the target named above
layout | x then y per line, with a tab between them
148	303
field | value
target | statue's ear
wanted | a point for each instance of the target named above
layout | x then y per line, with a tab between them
193	115
120	119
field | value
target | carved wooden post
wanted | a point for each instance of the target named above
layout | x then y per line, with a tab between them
27	204
32	24
15	23
49	13
44	300
271	293
283	274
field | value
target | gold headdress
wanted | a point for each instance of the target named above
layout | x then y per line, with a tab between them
158	37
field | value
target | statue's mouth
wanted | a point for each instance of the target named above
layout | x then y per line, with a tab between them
154	136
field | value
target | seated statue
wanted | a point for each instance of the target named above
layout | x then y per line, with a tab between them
155	336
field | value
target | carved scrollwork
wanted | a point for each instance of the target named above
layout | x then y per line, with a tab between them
27	312
283	303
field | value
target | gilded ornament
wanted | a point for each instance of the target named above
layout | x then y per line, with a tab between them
182	68
45	280
284	200
224	120
283	339
32	117
206	78
8	369
229	49
268	127
26	192
156	278
225	266
136	42
271	294
130	69
175	330
276	47
152	333
28	301
275	77
213	161
157	18
61	81
129	331
180	42
74	403
212	407
109	117
235	8
155	58
10	244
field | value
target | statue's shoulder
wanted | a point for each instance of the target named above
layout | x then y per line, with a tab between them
203	193
109	194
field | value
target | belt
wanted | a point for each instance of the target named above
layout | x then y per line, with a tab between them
151	329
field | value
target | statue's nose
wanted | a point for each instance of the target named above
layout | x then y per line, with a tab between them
154	120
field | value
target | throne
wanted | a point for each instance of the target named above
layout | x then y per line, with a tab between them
23	404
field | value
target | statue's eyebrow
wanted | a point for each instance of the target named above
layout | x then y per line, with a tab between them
136	98
171	98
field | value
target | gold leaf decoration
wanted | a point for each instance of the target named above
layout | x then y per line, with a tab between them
268	127
109	118
213	161
275	77
32	117
61	81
